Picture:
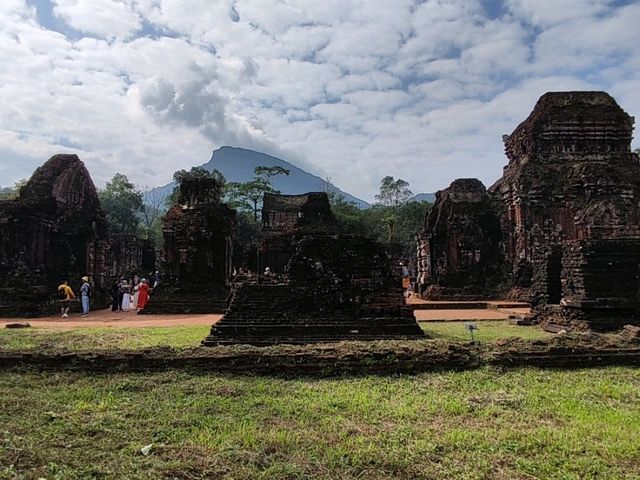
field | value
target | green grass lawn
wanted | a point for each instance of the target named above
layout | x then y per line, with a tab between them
488	331
480	424
88	338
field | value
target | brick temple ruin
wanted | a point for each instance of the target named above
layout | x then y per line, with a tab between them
128	254
568	212
198	250
56	230
459	249
333	287
286	219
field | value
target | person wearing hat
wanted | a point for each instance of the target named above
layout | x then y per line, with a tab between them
85	296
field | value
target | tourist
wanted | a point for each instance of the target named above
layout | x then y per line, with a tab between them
115	296
156	279
406	280
65	293
143	295
267	272
126	295
85	296
136	292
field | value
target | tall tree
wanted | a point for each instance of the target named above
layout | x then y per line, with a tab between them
247	196
265	174
122	204
152	211
393	193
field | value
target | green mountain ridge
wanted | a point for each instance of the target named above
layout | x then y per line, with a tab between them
238	164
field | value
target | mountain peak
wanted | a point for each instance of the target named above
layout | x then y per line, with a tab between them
237	164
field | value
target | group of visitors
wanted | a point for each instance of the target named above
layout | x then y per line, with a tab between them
126	294
66	294
130	294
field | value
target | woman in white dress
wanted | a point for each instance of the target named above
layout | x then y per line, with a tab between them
136	292
126	295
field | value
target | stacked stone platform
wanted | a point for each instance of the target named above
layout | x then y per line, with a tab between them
337	288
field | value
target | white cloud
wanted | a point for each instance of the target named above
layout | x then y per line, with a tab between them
545	13
105	18
353	89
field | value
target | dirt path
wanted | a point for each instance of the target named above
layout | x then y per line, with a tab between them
107	318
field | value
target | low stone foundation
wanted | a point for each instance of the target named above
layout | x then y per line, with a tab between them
554	318
338	287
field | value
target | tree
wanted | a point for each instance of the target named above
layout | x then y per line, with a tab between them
390	220
248	195
350	217
152	211
396	225
265	174
393	192
122	204
410	222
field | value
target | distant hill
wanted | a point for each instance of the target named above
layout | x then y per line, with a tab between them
424	197
238	164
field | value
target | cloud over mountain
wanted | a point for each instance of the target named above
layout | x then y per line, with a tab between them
352	89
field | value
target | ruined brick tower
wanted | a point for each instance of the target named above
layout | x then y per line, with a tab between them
571	175
568	205
198	248
459	248
54	230
571	196
286	218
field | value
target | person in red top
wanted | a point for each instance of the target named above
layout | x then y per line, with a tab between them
143	294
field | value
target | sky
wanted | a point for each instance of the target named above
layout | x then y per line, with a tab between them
353	90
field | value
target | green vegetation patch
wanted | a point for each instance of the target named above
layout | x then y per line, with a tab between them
488	331
481	424
89	338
